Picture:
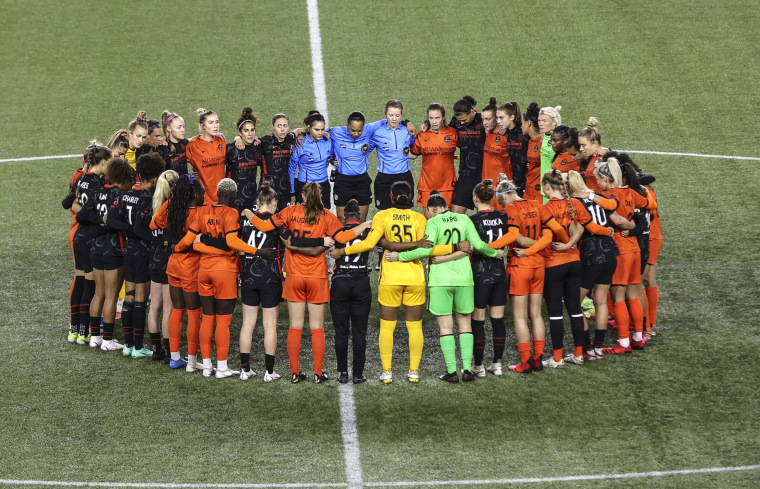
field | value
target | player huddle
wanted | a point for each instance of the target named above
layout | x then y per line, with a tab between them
558	219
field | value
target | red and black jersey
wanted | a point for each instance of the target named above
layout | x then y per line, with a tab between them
354	264
490	225
276	155
596	249
517	147
110	241
472	137
135	210
256	269
242	167
178	156
160	150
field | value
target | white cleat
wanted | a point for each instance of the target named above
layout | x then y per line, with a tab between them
96	341
111	345
479	371
223	374
243	374
194	367
270	377
495	368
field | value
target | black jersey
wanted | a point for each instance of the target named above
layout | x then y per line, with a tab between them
159	257
161	150
257	270
595	249
242	167
90	217
643	220
517	147
178	156
135	210
472	137
110	241
276	162
354	264
490	225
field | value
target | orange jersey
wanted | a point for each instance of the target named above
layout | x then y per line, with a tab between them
655	228
560	211
589	176
294	218
182	263
533	178
217	220
628	200
495	157
525	215
208	160
437	152
565	162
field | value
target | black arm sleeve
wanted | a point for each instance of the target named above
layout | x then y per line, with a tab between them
307	242
141	227
88	214
519	160
641	224
219	242
115	220
68	201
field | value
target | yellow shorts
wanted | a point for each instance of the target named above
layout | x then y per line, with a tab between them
395	295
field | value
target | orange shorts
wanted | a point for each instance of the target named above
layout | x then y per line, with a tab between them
424	195
654	251
187	285
628	271
221	284
306	289
526	281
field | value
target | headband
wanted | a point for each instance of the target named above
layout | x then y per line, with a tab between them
510	191
190	178
240	126
602	174
169	119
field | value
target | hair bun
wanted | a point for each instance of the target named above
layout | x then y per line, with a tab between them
435	192
200	111
502	177
142	116
592	122
492	101
488	181
558	108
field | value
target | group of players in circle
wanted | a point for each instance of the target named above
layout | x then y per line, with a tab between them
574	220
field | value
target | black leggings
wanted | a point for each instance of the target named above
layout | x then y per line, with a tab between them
350	302
564	282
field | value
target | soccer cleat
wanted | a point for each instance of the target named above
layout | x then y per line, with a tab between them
159	355
296	378
141	353
223	374
467	376
522	368
413	376
591	355
111	345
193	367
599	353
127	350
551	363
83	340
449	377
479	371
243	374
175	364
209	372
386	377
270	377
573	359
343	377
616	349
318	379
495	368
537	364
638	345
72	337
96	341
359	380
167	356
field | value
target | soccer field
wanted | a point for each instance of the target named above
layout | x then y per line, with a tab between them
669	77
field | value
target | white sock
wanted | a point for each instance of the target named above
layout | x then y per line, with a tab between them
192	359
624	342
175	356
221	364
637	336
207	363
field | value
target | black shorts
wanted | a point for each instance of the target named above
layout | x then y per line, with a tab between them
383	183
283	200
326	200
82	259
597	274
106	262
159	276
136	268
463	192
349	187
493	294
264	295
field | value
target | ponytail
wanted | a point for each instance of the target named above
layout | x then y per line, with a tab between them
313	204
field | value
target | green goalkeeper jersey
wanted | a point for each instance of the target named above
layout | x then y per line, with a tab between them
449	228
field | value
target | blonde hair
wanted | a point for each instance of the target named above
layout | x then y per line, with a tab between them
556	181
226	187
576	183
141	120
164	186
505	185
590	132
610	170
552	112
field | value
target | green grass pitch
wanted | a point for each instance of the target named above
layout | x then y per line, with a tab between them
663	76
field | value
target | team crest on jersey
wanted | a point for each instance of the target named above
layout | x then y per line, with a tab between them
219	148
343	146
564	162
478	127
310	159
446	139
535	148
406	150
498	139
365	148
385	148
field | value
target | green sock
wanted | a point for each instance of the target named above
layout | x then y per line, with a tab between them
466	344
449	350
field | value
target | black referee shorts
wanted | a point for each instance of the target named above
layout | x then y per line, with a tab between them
349	187
383	183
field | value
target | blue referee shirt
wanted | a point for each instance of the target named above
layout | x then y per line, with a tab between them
310	161
393	147
353	154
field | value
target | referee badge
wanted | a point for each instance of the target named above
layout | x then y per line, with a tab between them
365	148
406	150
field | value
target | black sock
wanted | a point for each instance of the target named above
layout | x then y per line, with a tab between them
126	324
499	338
94	326
599	335
107	331
479	340
587	340
155	341
138	324
245	361
166	344
84	307
74	301
269	363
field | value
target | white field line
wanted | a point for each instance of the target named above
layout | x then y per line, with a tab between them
318	71
474	482
350	436
694	155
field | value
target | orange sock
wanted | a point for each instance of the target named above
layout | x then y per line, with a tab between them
294	349
318	349
538	348
621	319
578	352
558	355
222	336
637	315
524	349
193	329
175	329
653	300
206	333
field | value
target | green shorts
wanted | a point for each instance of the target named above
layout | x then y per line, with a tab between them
444	300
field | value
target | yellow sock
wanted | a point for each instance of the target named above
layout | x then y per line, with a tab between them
386	342
416	340
123	291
